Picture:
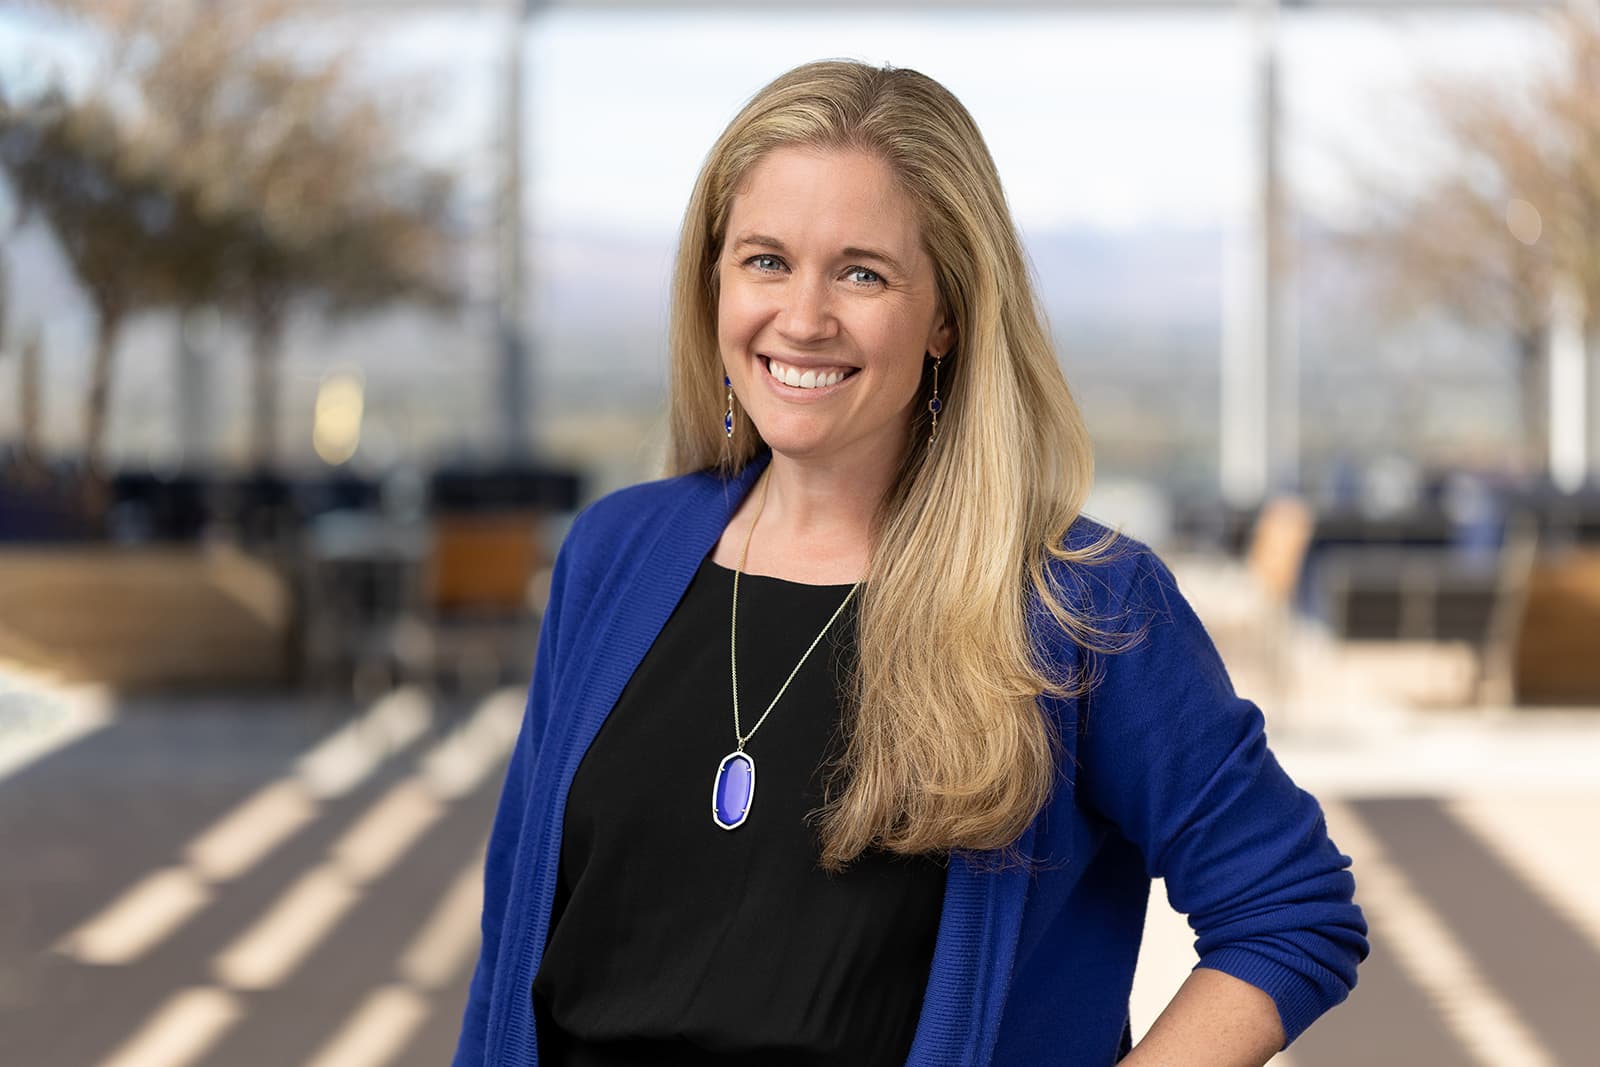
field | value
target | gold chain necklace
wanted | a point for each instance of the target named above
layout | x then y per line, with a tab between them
733	791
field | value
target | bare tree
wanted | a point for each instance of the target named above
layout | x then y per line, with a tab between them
1510	215
115	225
285	180
339	216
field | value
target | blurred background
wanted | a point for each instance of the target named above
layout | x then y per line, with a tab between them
319	319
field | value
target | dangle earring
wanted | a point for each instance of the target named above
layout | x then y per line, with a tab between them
727	417
934	405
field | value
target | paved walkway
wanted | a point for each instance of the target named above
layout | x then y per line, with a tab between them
1479	880
272	883
242	883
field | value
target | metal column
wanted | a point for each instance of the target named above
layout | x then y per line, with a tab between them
512	399
1569	390
1258	425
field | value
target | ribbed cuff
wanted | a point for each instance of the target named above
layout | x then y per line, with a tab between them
1298	998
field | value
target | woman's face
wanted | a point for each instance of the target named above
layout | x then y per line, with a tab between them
828	305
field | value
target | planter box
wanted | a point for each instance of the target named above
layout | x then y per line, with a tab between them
145	618
1558	649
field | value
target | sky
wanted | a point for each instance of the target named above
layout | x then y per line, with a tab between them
1105	121
1128	127
1108	121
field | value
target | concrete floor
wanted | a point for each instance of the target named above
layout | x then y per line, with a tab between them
234	882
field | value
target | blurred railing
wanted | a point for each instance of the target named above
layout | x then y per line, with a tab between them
199	581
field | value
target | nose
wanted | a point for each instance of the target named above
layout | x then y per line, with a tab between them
807	314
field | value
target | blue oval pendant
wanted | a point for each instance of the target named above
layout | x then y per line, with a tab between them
734	790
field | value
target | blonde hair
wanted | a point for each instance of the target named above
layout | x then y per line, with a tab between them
947	746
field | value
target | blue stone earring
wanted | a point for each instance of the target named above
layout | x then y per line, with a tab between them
934	405
727	417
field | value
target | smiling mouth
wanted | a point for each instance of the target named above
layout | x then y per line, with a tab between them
809	378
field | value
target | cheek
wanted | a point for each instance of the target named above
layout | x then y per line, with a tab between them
737	316
903	341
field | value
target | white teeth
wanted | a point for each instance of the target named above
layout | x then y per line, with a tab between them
809	379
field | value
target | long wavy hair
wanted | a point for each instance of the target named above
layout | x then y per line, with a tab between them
946	745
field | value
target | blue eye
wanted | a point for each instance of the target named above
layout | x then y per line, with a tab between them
765	262
863	276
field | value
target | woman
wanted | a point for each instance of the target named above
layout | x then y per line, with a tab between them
982	721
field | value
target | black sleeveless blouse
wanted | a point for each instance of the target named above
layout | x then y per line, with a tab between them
674	941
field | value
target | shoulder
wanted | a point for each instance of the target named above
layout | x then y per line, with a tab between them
1110	574
610	544
1118	609
625	515
1144	643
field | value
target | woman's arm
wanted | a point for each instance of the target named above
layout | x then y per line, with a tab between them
1174	758
1215	1020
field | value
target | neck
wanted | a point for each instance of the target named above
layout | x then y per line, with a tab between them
808	498
816	526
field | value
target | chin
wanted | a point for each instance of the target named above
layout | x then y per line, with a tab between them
796	446
789	431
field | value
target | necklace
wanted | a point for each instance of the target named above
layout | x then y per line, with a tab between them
733	791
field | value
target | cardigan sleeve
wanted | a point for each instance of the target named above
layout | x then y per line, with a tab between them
1179	763
506	834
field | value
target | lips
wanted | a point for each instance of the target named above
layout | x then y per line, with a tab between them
807	377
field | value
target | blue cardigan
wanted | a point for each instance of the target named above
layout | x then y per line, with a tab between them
1167	775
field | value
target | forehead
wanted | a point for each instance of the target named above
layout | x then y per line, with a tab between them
823	200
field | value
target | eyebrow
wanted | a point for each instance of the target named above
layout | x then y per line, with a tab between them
761	240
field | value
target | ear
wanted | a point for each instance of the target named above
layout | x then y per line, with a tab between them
942	338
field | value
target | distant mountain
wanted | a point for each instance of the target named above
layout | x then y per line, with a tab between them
1153	275
606	282
1136	316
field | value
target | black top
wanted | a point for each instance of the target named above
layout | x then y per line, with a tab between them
673	940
